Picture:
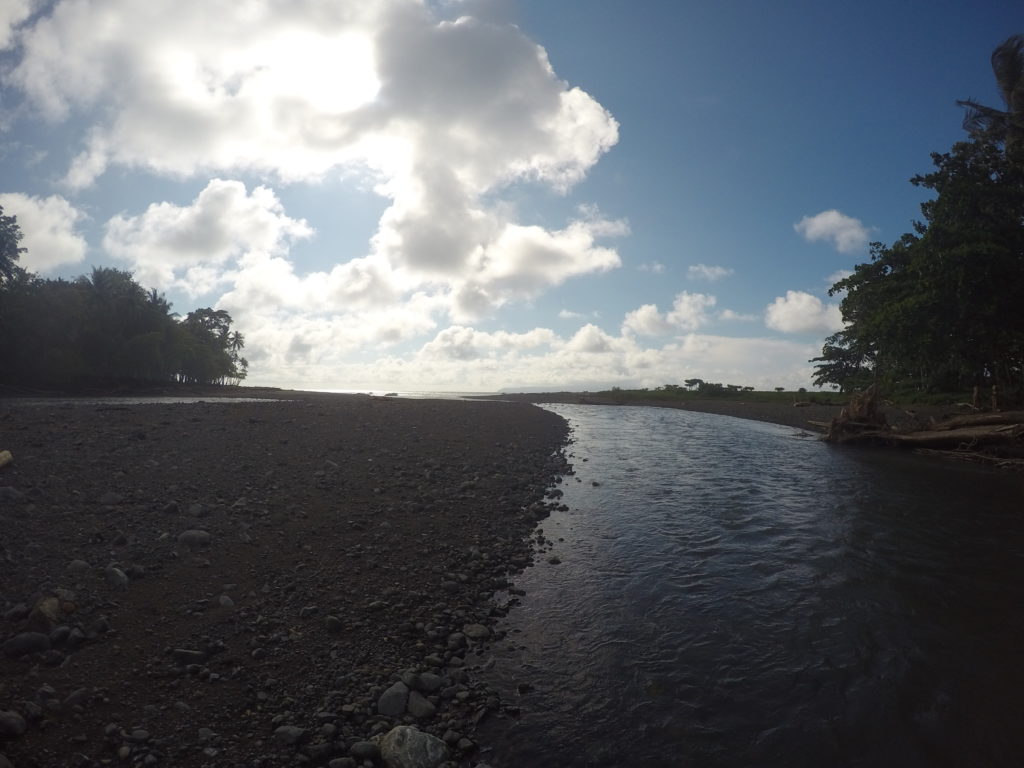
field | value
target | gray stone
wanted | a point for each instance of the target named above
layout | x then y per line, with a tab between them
333	624
115	577
194	538
289	734
338	762
365	750
476	631
408	747
12	725
188	656
78	569
26	643
419	706
392	702
428	682
45	616
110	499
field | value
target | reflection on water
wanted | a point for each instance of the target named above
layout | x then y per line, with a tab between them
735	594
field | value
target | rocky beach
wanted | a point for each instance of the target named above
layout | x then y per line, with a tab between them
307	581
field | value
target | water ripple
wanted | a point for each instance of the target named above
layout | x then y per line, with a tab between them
732	594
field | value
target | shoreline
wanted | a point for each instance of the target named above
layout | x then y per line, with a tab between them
773	413
248	582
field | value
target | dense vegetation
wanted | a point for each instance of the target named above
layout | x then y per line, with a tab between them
104	329
698	389
939	310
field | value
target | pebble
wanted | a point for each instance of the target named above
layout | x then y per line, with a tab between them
420	707
78	568
289	734
116	577
393	701
26	643
476	631
194	538
365	750
12	724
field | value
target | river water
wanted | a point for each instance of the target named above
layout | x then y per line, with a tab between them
732	593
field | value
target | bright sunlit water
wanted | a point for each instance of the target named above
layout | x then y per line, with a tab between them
740	594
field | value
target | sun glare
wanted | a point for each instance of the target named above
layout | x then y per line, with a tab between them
332	74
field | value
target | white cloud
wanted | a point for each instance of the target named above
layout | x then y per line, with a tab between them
522	262
656	267
462	343
800	312
706	272
13	13
48	228
728	314
835	277
689	312
846	233
438	115
196	247
465	359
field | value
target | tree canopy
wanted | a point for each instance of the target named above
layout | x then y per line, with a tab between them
939	309
104	328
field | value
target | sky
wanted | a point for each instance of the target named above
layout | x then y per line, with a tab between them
483	195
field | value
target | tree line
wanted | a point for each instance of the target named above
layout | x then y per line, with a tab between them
940	309
104	328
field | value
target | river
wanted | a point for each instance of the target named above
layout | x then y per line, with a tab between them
732	593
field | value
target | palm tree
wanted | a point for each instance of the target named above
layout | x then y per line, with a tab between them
1005	125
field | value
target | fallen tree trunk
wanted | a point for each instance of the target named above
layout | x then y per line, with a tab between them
980	419
960	436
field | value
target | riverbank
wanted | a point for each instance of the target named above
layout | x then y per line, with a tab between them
809	416
257	583
800	417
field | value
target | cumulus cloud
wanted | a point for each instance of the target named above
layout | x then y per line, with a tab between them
800	312
13	13
462	343
689	312
466	359
708	273
48	228
195	247
847	234
438	115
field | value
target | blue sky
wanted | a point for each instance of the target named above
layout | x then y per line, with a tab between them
474	194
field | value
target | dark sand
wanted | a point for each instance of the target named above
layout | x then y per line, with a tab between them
351	541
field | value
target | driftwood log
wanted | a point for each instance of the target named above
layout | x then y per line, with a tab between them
996	437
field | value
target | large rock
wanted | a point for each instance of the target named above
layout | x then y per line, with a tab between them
392	702
408	747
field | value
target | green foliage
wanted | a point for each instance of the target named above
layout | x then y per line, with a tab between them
106	328
939	309
10	251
